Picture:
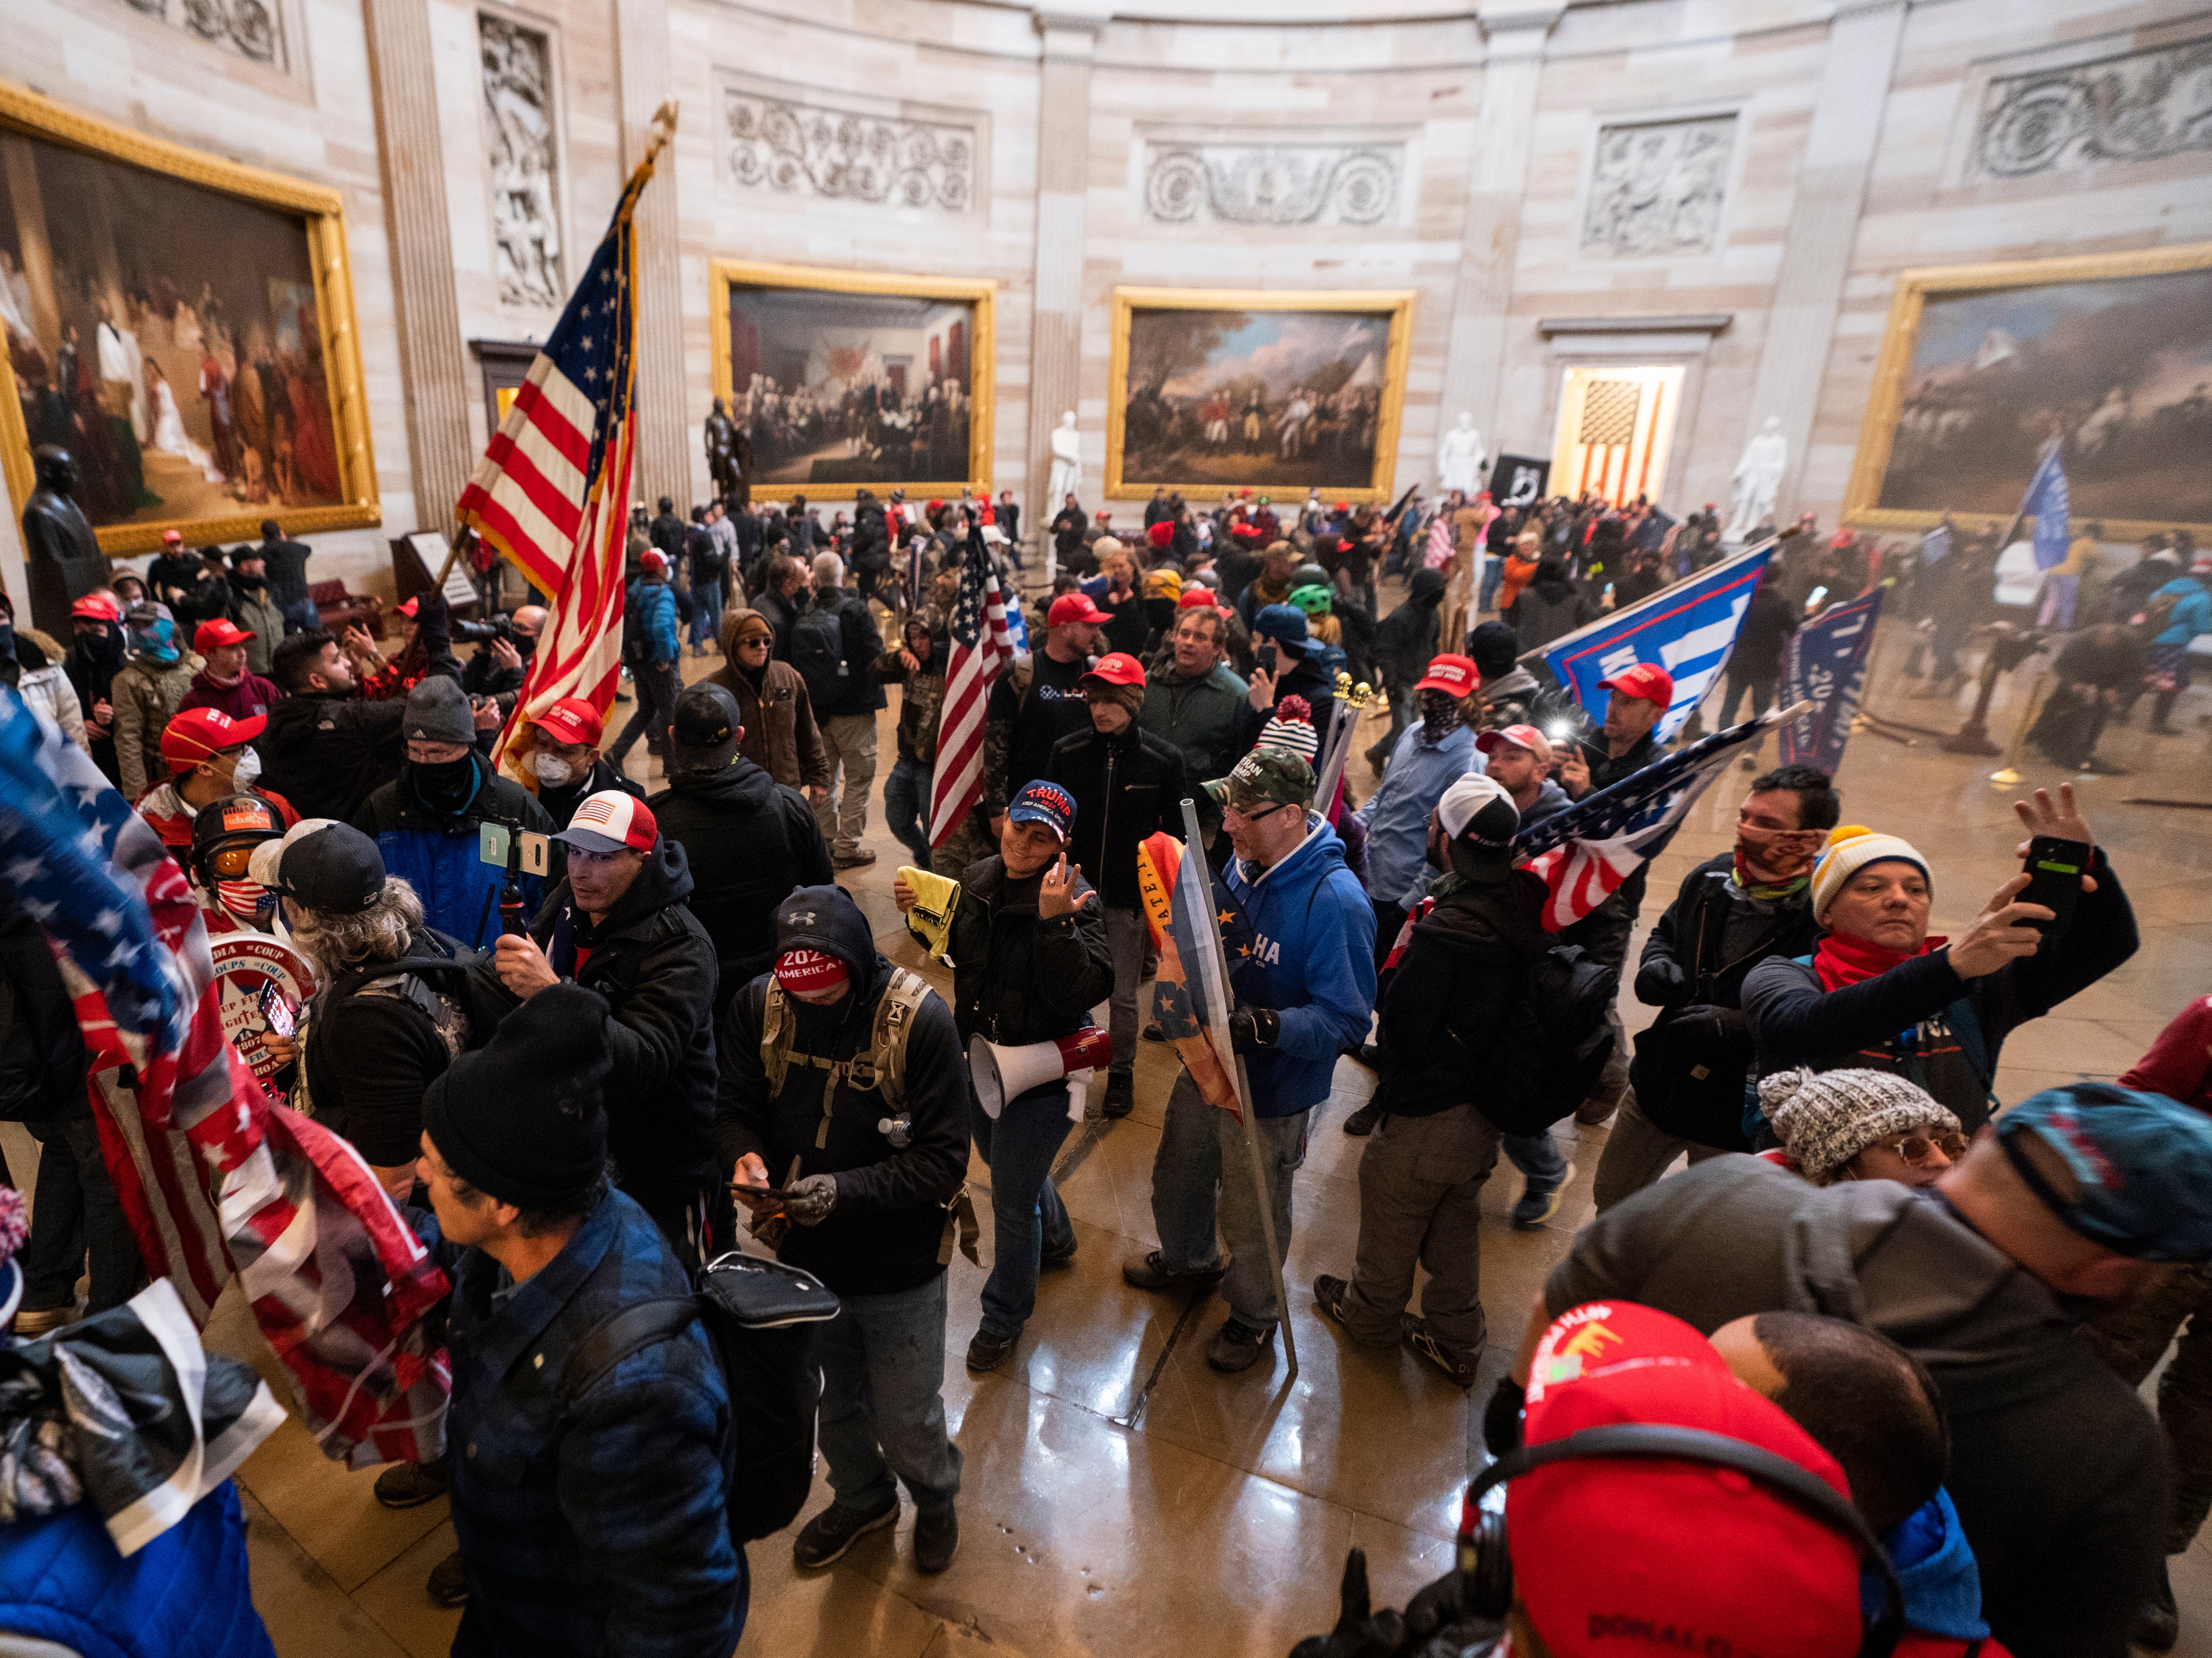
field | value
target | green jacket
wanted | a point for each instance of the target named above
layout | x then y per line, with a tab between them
1199	716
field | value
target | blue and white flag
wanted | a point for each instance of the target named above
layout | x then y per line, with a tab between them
2046	503
1825	664
1688	629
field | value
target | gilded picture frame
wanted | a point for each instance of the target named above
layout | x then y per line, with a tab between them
1981	364
1210	418
870	418
344	450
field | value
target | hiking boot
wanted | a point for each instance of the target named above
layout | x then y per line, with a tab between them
824	1539
410	1485
936	1540
449	1583
1414	1332
989	1349
1362	1123
2158	1622
1538	1204
1236	1347
1151	1272
859	858
1121	1094
1049	1256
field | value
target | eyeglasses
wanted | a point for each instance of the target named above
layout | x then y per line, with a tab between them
1915	1148
1255	817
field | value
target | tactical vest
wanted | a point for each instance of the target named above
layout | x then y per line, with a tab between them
879	1067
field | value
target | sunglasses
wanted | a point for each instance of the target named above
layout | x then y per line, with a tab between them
1915	1148
232	863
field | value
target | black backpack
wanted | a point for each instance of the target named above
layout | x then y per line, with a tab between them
761	1317
1552	1043
818	651
460	971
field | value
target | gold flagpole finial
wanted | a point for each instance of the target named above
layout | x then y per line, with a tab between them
663	128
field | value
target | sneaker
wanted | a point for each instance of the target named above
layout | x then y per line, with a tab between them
1538	1206
1121	1094
936	1540
1362	1123
859	858
1414	1332
2158	1622
824	1539
1152	1033
1236	1347
408	1485
989	1350
1152	1273
449	1583
1328	1295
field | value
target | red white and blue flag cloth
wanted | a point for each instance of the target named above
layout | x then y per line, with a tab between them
983	649
215	1178
552	490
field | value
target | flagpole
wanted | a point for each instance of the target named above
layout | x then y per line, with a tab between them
1194	846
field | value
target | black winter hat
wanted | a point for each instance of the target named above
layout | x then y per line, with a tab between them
1495	647
522	1118
1427	585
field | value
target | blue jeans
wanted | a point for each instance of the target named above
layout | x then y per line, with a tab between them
906	806
883	1405
302	617
706	612
1538	1159
1026	1213
1186	1179
1493	574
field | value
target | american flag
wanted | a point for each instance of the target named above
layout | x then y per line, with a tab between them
213	1177
981	651
552	490
1585	853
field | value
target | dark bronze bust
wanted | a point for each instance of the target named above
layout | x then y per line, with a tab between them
63	555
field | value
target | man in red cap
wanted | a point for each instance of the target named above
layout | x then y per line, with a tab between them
566	759
1127	784
226	684
1034	707
210	755
1435	753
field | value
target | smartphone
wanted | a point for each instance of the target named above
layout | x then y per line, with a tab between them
777	1192
278	1012
2055	869
1267	654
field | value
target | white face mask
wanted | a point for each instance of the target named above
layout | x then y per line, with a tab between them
552	770
248	768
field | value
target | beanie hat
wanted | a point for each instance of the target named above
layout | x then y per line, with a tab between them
1290	727
1826	1118
522	1119
1852	847
1160	534
438	711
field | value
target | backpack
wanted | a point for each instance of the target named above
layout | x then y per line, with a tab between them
636	644
761	1318
880	1065
458	992
818	651
2158	613
1552	1043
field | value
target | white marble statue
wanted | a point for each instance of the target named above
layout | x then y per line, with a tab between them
1067	461
1460	456
1757	477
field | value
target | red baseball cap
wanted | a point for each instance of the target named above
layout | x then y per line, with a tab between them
653	559
1193	597
407	607
573	720
1520	736
1456	674
1607	1545
809	969
97	607
610	820
196	733
1646	679
215	635
1117	668
1073	607
1161	533
173	537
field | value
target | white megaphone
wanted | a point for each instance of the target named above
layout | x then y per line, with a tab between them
1000	1074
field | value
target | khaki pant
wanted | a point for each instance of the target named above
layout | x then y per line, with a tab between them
849	740
1637	1152
1420	1198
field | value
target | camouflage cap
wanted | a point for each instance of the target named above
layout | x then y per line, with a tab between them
1265	777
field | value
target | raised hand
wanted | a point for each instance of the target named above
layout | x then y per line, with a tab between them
1057	891
2000	934
2060	818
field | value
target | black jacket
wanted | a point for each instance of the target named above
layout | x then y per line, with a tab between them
1604	931
1766	628
366	1060
286	563
1407	640
882	1237
326	753
859	691
1461	971
1016	979
872	538
1704	946
561	804
750	841
655	965
1126	786
42	1058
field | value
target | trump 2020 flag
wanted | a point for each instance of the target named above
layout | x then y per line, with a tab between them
1687	629
2047	503
1825	664
1190	999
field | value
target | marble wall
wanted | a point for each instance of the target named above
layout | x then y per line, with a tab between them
1727	185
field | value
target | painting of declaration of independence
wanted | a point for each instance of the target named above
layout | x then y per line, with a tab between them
840	385
2117	366
1276	393
168	336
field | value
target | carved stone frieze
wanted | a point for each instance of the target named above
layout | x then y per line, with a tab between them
1657	188
813	147
520	133
252	29
2135	107
1273	184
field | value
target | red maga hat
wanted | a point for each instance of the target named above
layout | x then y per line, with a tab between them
572	720
1456	674
1646	679
1118	668
193	735
215	635
1073	607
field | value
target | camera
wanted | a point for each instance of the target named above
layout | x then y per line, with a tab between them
500	626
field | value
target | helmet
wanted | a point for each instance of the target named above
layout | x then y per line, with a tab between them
224	836
1308	574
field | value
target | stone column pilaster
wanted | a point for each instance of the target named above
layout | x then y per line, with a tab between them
1070	33
665	451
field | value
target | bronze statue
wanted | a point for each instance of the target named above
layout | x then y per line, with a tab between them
62	554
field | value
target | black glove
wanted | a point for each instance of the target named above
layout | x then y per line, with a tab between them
1254	1027
1658	983
812	1199
1441	1619
1501	1418
1710	1032
1358	1634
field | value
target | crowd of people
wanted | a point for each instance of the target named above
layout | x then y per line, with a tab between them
587	1080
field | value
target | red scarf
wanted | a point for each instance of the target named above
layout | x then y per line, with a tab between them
1842	960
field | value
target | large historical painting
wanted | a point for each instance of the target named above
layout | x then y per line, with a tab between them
1285	392
844	379
1983	365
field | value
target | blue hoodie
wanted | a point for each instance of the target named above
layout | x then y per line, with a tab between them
2192	610
1936	1570
1312	961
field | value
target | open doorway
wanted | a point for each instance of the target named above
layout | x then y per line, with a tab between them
1615	425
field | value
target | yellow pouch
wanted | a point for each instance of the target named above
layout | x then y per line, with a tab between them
937	897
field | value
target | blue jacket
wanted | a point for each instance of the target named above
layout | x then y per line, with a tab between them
1312	961
185	1594
1936	1570
601	1530
652	608
440	855
2193	614
1397	817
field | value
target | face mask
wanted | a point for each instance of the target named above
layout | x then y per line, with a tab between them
552	770
105	647
246	900
246	770
447	785
525	647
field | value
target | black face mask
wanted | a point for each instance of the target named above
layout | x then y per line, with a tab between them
446	787
526	646
105	647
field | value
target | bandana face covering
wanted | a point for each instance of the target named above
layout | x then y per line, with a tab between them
1439	713
248	900
1772	864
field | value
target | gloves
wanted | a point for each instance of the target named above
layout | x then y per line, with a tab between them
1254	1027
1711	1032
1359	1632
812	1199
1501	1418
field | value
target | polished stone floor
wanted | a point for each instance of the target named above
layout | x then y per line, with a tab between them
1121	1498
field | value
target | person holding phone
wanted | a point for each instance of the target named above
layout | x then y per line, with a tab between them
1880	994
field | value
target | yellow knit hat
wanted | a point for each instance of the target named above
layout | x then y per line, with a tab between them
1852	847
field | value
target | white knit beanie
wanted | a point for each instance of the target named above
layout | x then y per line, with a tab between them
1850	849
1825	1119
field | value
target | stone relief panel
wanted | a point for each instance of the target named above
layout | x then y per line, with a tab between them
817	145
1657	188
2135	107
1273	184
519	139
253	28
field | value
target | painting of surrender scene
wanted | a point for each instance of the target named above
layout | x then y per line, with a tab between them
166	336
